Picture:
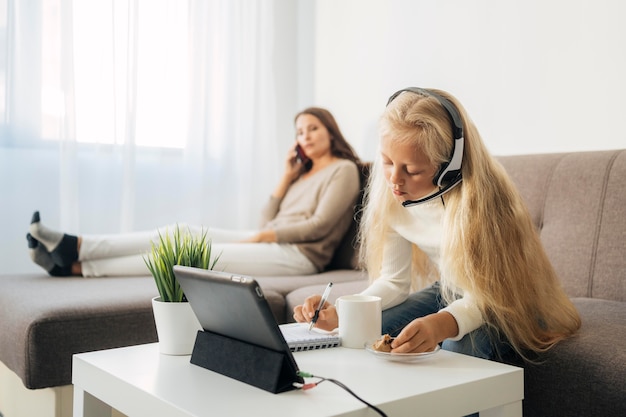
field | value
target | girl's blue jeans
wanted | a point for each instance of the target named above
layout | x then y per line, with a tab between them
484	342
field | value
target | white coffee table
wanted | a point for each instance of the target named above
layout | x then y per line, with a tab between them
139	381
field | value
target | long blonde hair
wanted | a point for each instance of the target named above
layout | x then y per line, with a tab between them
490	247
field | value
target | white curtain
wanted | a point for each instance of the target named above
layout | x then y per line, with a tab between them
120	115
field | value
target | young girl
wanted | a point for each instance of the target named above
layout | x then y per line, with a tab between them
440	208
302	223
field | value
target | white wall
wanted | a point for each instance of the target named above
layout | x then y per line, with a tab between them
534	75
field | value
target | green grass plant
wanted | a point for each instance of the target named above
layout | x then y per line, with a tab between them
177	248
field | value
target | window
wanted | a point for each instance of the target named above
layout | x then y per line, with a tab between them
97	71
3	60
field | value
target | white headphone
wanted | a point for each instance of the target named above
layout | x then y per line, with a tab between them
449	174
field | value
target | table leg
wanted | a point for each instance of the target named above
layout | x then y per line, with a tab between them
86	405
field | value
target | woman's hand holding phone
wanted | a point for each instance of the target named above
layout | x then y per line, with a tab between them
293	170
301	155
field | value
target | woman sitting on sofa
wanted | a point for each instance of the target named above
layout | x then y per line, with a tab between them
439	205
302	223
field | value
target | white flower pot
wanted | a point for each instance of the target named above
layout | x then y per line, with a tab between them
177	327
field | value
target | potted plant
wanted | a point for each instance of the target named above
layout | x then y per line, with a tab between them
175	321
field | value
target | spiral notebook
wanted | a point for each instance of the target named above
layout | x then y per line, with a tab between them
299	337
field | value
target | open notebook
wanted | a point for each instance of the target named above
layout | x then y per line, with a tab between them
299	337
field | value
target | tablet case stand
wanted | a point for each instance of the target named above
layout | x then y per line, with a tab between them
255	365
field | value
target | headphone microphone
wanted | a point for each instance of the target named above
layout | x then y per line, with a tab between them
449	174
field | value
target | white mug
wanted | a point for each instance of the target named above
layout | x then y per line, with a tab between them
360	319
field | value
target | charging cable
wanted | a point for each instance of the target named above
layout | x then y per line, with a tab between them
334	381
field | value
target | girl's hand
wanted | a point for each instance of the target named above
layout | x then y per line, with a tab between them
327	319
424	333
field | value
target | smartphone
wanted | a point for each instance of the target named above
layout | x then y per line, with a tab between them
301	156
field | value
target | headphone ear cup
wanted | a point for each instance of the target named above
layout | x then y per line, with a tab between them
438	174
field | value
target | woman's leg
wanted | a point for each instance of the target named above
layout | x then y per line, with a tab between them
66	249
40	256
253	259
115	267
123	253
418	304
63	248
262	259
94	247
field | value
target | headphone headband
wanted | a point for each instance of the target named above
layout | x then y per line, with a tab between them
455	118
449	173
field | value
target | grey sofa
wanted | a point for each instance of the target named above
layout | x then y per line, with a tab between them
577	200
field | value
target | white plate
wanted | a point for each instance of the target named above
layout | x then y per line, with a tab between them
401	357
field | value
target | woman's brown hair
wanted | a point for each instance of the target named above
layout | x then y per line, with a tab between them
339	146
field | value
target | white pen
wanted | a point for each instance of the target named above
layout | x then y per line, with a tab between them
319	307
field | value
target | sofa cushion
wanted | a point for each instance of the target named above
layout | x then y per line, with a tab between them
46	320
285	285
584	375
346	254
578	201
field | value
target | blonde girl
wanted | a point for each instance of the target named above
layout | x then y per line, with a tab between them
449	244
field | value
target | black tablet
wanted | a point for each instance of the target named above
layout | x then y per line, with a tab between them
234	306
